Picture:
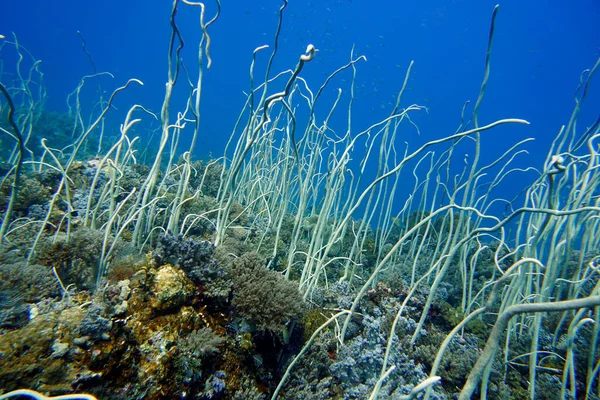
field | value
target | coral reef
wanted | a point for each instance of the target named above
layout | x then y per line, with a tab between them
293	265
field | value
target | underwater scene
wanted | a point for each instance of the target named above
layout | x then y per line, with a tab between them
293	199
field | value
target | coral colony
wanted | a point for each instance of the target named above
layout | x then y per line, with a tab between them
280	270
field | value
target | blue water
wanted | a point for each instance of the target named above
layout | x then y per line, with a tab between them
539	51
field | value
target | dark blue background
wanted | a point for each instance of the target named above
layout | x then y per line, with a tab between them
540	49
